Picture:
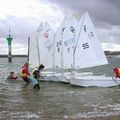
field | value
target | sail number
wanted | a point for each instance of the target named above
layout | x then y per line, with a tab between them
59	43
85	45
69	42
90	35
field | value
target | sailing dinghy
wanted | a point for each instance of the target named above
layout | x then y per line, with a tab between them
88	53
41	49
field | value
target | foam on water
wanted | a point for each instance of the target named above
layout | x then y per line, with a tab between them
94	114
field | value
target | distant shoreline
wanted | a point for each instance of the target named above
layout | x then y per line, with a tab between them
107	53
5	56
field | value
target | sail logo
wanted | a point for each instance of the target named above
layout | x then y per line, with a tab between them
72	29
46	35
63	29
85	28
90	34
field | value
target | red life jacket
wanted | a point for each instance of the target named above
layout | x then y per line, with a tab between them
25	72
117	72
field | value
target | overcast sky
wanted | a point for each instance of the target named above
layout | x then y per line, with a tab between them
23	17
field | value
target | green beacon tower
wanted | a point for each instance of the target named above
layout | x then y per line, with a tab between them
9	40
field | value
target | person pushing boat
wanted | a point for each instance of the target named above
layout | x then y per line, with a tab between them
36	75
25	73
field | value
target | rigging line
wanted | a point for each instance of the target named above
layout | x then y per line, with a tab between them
28	48
62	54
73	50
54	52
115	81
38	51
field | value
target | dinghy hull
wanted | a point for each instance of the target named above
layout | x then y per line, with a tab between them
95	81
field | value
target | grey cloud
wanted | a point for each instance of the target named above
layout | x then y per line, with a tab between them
115	3
105	14
106	11
20	28
115	37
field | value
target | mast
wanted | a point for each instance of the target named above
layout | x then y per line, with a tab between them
75	45
73	50
54	54
38	51
28	48
62	52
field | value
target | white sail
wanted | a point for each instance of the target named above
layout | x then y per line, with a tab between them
88	52
46	44
40	28
34	55
33	51
58	42
69	36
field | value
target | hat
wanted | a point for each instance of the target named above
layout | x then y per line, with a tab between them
27	63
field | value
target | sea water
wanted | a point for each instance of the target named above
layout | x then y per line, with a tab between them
55	100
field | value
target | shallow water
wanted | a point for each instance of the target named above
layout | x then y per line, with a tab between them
57	101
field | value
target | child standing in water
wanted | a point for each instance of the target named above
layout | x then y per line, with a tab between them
25	73
40	68
36	76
